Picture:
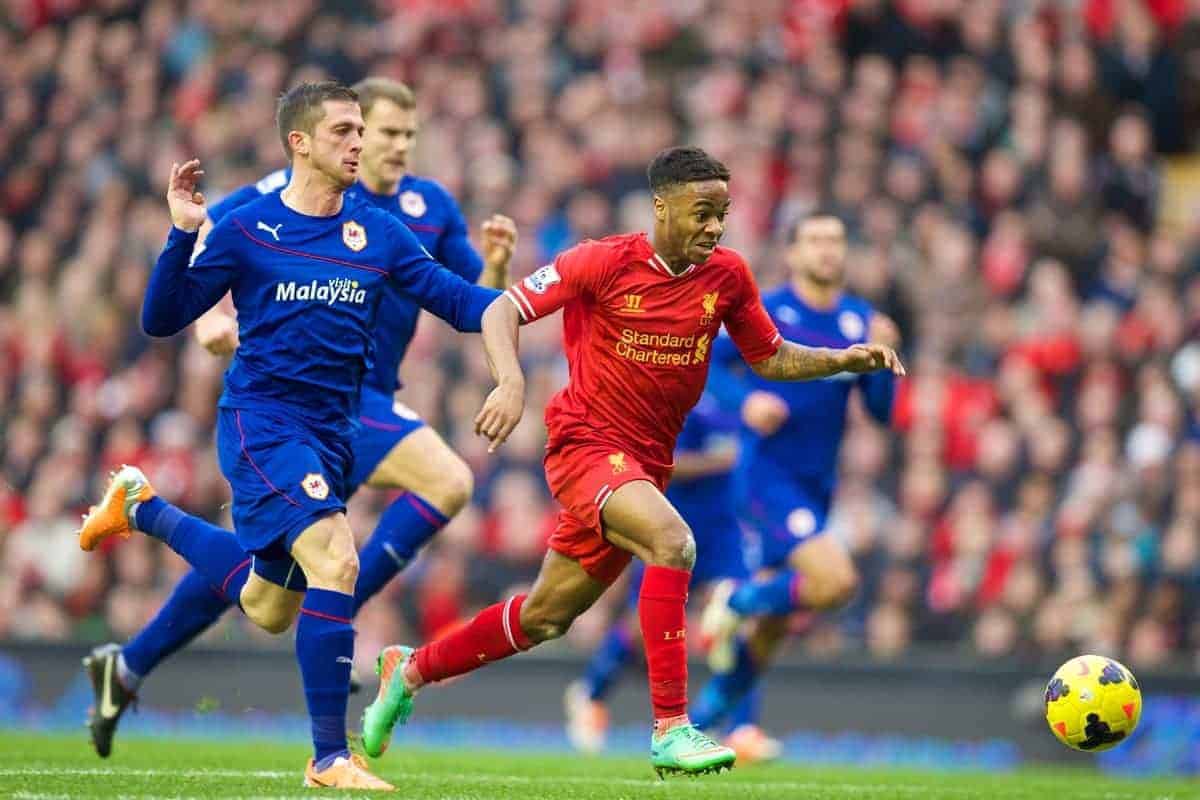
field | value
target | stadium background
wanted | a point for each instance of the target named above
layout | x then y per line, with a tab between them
1020	186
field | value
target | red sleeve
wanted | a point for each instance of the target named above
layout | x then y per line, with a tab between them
749	325
575	272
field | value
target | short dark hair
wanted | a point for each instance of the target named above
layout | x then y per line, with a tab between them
677	165
372	90
301	107
820	212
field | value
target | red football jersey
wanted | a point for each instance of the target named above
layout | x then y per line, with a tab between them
638	338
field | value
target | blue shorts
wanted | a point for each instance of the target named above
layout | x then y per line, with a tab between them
784	512
385	422
284	478
720	553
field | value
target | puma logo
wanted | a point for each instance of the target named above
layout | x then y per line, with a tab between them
262	226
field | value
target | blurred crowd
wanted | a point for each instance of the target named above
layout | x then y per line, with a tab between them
1001	165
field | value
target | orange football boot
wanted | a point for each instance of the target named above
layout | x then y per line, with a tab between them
345	773
113	514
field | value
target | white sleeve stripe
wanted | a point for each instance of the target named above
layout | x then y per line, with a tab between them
778	337
512	298
530	312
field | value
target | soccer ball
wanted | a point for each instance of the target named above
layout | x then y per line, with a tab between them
1093	703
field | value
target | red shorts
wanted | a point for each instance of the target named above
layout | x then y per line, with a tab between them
582	478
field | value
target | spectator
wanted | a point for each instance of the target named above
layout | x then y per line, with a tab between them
999	171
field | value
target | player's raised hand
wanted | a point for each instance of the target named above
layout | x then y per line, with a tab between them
764	412
217	333
499	238
184	198
501	412
871	357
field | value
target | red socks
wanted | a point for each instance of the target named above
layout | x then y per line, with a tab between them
495	633
661	611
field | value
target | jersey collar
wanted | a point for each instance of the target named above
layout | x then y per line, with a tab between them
659	264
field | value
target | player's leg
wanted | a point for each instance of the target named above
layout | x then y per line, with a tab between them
751	653
324	634
117	672
326	553
130	503
817	574
437	484
562	591
638	518
746	737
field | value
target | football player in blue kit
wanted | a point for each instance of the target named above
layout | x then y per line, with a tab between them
701	490
308	267
787	466
393	448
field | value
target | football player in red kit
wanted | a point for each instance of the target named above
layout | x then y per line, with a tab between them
639	317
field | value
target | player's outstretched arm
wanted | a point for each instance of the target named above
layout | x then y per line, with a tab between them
503	408
794	362
176	295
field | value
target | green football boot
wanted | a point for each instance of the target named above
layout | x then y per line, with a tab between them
688	750
393	703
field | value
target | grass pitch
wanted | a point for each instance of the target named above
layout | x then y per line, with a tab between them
40	767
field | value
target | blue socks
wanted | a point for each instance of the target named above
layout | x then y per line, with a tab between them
214	552
192	607
775	595
725	689
325	650
405	525
608	662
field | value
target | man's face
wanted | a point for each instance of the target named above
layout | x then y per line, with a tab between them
692	216
391	132
337	142
818	252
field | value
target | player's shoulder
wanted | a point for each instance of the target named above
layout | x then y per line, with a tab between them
610	251
726	258
274	182
778	296
854	303
362	211
426	186
420	196
262	208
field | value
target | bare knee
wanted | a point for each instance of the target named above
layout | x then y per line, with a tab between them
832	589
673	546
454	489
338	571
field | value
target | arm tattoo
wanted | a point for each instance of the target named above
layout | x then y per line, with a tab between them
793	362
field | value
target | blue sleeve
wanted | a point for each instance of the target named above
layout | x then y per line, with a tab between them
454	248
235	199
434	287
177	294
727	379
879	391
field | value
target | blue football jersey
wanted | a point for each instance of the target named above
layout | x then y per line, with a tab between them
308	291
806	446
433	217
